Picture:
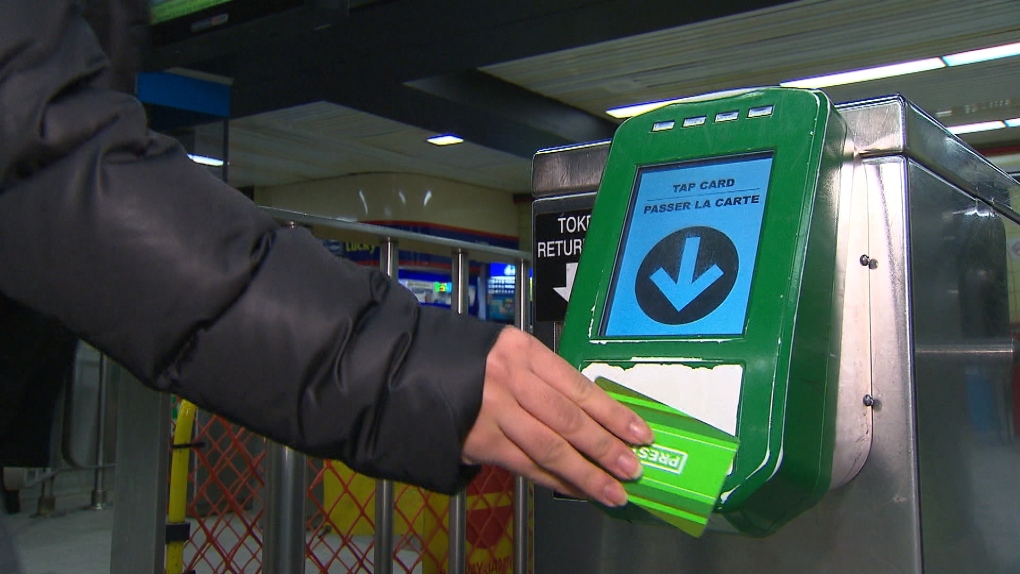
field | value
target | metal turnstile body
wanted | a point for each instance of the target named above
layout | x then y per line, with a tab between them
938	493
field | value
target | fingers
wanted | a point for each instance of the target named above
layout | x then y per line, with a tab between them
566	426
514	460
550	455
542	419
506	434
598	405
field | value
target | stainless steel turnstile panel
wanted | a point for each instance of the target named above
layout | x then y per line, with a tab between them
968	457
936	493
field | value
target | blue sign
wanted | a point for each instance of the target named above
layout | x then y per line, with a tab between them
502	270
689	248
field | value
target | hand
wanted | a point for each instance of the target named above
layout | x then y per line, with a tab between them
542	419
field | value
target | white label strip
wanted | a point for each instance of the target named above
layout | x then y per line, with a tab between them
709	394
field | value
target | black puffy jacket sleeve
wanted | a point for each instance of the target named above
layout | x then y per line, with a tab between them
113	231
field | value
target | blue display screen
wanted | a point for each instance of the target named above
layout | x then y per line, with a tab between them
689	248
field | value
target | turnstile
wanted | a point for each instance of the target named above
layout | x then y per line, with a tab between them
936	494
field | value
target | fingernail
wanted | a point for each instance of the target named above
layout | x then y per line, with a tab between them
629	465
614	494
642	433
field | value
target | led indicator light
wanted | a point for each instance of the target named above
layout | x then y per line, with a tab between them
663	126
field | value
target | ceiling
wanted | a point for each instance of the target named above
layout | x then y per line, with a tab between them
510	78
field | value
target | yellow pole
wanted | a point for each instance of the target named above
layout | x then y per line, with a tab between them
179	484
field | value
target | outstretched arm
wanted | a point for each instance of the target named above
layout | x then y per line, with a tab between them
111	230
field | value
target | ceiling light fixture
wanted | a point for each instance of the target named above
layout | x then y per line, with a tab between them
1013	123
572	146
206	160
866	74
624	112
444	139
854	76
982	55
977	127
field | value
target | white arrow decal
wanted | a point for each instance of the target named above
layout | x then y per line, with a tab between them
686	288
565	291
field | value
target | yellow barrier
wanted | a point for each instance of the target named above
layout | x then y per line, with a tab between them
177	506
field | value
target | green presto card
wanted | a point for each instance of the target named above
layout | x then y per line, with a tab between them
683	470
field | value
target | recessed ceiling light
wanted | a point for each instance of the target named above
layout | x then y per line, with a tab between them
206	160
977	127
444	139
982	55
866	74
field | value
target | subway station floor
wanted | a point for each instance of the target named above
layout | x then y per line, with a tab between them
73	540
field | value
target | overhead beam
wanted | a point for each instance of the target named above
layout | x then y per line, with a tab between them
496	97
476	124
410	39
416	62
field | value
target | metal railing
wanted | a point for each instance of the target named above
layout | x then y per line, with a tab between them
75	427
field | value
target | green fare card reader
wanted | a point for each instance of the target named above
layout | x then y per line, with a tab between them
709	298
